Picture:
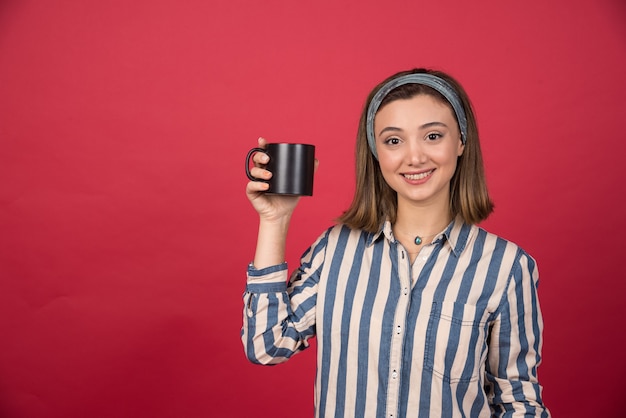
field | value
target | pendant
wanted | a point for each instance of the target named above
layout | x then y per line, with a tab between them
418	240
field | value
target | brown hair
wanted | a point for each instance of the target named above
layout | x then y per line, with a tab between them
374	201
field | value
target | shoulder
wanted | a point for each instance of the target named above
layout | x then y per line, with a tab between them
508	253
340	229
334	233
499	255
332	241
341	235
502	241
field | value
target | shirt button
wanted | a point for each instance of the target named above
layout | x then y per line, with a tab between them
406	290
394	375
398	329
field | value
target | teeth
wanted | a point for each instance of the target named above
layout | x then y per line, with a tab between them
418	176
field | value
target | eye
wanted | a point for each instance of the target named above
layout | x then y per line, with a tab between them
392	140
433	136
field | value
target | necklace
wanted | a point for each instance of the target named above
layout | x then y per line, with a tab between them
419	239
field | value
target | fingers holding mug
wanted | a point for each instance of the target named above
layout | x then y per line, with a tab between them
259	171
288	168
260	159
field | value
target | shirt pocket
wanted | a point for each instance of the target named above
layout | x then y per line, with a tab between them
456	343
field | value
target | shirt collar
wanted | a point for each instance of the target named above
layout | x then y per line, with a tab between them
375	236
457	234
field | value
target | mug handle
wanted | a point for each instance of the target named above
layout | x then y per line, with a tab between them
252	151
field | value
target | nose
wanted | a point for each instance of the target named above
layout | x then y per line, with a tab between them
416	154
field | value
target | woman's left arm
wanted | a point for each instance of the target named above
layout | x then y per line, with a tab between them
515	346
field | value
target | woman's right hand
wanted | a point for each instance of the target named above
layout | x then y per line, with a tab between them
270	207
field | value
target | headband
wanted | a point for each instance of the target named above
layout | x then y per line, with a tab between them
429	80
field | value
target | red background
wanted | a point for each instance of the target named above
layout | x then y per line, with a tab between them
124	228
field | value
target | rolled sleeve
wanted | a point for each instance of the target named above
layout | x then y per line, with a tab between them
270	279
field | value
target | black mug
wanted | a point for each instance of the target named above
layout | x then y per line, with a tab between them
292	167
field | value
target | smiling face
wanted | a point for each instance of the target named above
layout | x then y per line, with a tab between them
418	143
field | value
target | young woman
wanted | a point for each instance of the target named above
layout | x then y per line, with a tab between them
418	312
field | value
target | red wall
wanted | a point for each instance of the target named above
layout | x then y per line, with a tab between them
125	231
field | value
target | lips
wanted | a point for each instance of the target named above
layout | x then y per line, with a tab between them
418	176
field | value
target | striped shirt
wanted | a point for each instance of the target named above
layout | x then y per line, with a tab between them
456	334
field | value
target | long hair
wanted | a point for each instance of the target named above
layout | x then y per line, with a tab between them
374	201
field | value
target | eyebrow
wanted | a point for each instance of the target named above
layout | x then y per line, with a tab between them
424	126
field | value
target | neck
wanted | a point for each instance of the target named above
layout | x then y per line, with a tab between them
418	225
422	220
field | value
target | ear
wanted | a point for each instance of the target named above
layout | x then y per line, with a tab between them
460	148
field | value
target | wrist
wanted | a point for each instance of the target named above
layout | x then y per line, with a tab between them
276	224
271	242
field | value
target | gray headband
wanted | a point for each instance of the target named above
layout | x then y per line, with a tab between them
429	80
